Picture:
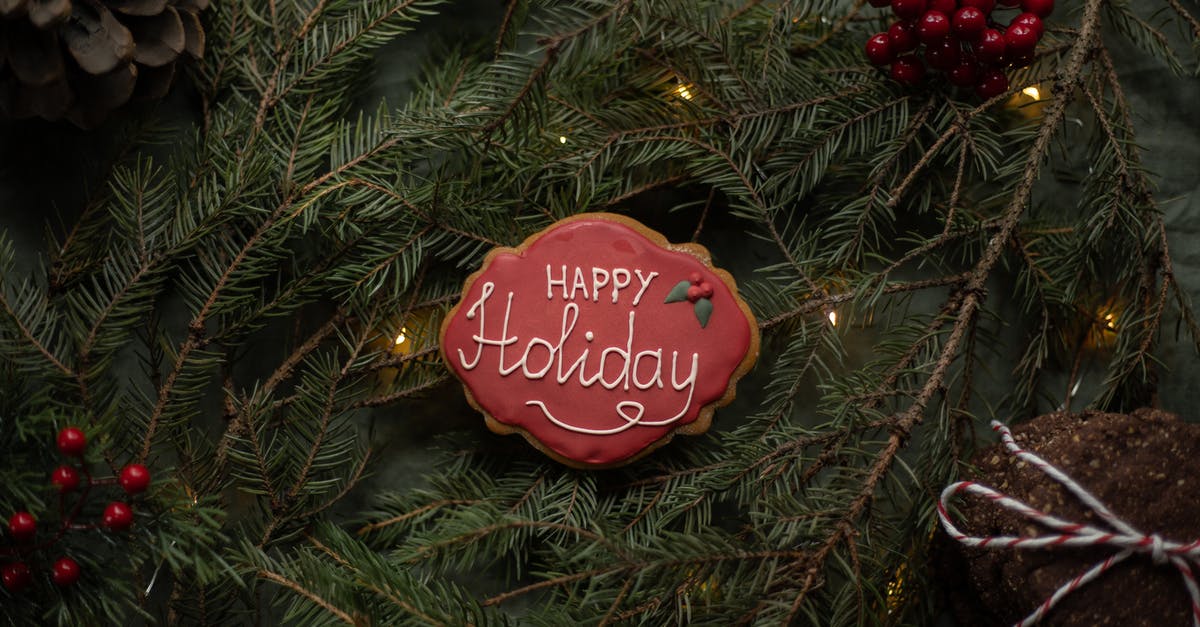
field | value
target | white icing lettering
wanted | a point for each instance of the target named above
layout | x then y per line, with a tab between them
504	372
551	282
645	284
481	340
599	280
617	366
619	283
657	378
625	354
579	284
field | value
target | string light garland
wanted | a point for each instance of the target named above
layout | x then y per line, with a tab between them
1130	541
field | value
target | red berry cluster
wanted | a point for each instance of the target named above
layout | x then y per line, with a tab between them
22	527
960	39
699	288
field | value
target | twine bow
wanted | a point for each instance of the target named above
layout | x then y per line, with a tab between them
1130	541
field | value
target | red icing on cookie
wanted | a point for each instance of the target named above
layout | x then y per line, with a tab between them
584	340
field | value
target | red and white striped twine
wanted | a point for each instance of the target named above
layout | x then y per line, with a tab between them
1124	537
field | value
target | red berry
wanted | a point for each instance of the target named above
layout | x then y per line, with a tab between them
965	74
693	293
942	55
22	526
695	278
66	478
706	290
15	576
881	3
879	52
903	36
1020	39
968	23
944	6
117	516
65	572
908	9
72	442
983	5
134	479
992	83
1030	20
1041	8
933	27
908	70
991	46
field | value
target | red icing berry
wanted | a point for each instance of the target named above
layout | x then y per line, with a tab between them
15	576
134	479
908	9
944	6
881	3
695	278
1041	8
983	5
992	83
968	23
933	27
22	526
965	74
693	293
65	572
903	36
991	46
66	478
908	70
1030	20
117	516
706	290
943	55
72	442
879	52
1020	39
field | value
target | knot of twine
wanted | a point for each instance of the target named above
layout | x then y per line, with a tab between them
1123	536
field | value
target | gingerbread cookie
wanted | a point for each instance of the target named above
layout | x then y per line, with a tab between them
1142	467
598	340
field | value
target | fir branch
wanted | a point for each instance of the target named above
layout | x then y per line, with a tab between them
308	594
1070	78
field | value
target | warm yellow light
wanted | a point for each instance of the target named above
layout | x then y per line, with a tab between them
402	337
895	592
1033	92
1110	321
832	317
562	139
683	92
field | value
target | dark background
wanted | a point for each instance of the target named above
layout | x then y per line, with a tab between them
48	169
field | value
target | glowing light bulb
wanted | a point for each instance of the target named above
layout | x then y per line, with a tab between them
1110	321
832	315
1033	92
683	92
562	139
402	337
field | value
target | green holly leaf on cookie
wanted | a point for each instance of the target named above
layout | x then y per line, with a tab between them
679	292
703	309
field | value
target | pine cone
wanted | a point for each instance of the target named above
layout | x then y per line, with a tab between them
80	59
